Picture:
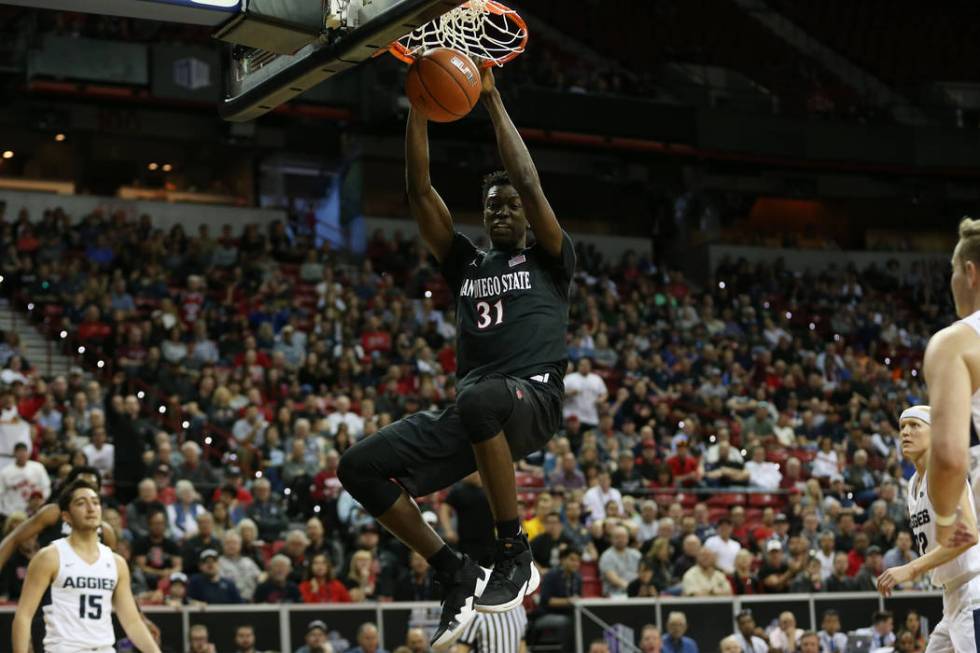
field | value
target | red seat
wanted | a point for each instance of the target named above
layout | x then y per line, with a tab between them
753	514
591	584
716	513
777	456
765	500
687	499
664	499
727	499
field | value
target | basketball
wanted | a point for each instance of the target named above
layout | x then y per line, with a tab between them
443	84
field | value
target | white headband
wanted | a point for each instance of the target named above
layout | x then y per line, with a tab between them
918	412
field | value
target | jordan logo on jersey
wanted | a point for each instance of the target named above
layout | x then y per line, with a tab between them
495	286
920	518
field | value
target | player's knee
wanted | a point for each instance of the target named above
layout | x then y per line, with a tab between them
354	469
484	408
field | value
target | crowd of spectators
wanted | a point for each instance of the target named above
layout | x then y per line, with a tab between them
732	439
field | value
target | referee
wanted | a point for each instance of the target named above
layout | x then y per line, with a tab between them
495	632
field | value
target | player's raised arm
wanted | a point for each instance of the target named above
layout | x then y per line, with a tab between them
521	171
129	615
428	209
40	573
46	517
950	388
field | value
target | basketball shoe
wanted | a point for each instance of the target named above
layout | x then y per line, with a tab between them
459	591
514	576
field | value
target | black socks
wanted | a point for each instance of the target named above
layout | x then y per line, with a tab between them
509	529
445	561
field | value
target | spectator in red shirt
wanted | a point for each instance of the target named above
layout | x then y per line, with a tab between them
684	466
92	328
855	557
320	585
374	338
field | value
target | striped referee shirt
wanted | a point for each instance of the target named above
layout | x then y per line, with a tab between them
493	632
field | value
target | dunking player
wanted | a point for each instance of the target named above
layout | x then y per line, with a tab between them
87	581
956	569
512	307
952	371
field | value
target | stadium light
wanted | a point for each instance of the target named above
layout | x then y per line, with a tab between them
8	154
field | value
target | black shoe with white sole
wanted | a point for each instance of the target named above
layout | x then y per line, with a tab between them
459	592
514	576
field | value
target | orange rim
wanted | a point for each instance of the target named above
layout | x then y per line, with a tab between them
401	52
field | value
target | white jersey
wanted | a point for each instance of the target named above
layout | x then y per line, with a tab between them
79	617
922	519
973	321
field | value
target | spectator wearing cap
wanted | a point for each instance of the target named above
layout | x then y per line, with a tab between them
267	511
138	511
684	466
22	479
277	588
584	392
241	570
724	546
315	640
596	497
208	586
866	580
183	513
177	590
775	573
195	469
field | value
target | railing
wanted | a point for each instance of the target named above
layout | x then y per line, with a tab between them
620	622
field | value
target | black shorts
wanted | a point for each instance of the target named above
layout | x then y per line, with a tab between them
429	450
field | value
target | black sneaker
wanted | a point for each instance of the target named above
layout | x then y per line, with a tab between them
514	576
459	591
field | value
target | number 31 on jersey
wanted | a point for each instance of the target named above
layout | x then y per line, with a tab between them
489	313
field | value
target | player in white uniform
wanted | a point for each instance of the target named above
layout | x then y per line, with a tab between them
955	569
952	371
87	581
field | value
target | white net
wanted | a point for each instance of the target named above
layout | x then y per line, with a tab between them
484	29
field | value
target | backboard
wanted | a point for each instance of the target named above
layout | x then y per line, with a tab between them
262	74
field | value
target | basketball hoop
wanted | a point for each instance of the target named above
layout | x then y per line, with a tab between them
487	30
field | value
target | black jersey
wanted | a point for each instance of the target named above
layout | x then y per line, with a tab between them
511	310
